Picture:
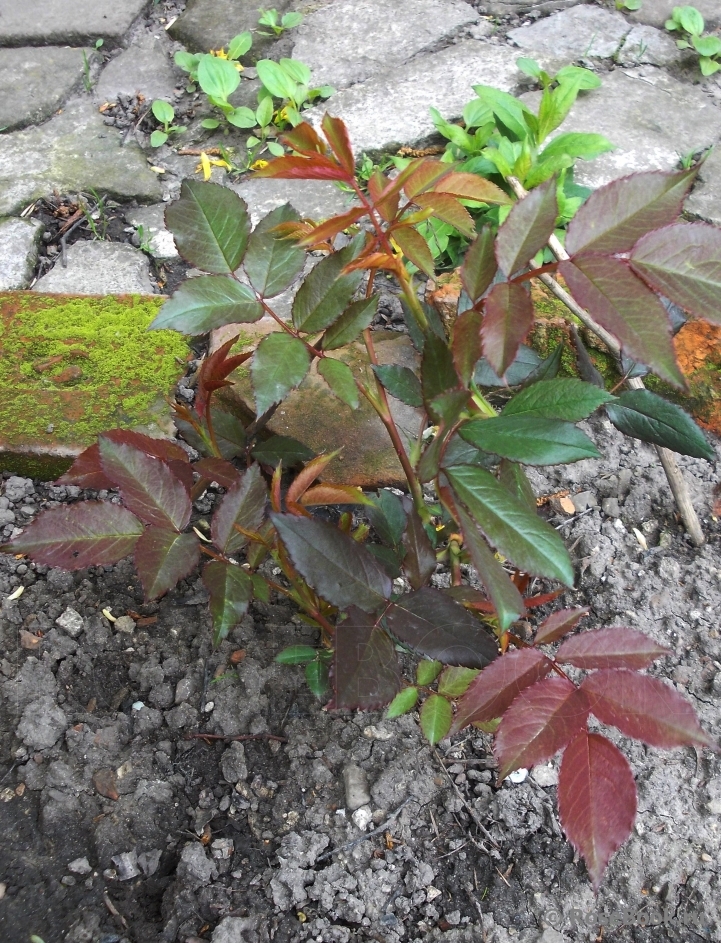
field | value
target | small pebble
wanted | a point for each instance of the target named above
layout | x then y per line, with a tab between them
362	818
80	866
124	624
518	776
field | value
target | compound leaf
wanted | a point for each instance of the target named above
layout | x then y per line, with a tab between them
493	691
366	674
204	303
615	216
282	448
210	225
647	416
644	708
296	655
403	702
148	486
339	377
542	720
470	186
454	681
163	557
507	321
231	590
388	517
334	565
448	209
271	263
89	533
596	800
433	624
279	365
615	647
527	229
217	469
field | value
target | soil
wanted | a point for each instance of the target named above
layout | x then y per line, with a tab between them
121	825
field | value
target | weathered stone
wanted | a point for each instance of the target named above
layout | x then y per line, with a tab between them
145	67
74	151
389	110
19	240
67	22
34	83
209	24
153	235
42	723
705	201
99	268
316	199
339	54
645	45
504	7
580	31
315	417
649	116
656	12
121	375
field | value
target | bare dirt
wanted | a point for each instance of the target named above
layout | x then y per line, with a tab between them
121	825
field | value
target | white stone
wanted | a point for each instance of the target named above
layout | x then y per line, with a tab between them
80	866
545	775
99	268
362	817
160	241
356	787
518	776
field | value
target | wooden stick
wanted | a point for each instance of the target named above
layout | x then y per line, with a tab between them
676	481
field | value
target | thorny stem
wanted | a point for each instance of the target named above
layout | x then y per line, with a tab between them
676	481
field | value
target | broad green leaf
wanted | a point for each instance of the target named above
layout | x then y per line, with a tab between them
575	144
436	717
355	319
316	676
333	564
615	216
163	111
548	368
210	225
402	703
75	536
279	365
388	517
325	292
158	138
400	382
264	115
566	398
275	78
555	105
584	79
515	531
272	264
458	452
684	263
217	77
689	19
507	109
187	61
240	44
282	448
231	590
242	117
366	674
621	303
527	229
708	66
441	629
296	655
479	265
508	318
512	476
542	720
340	379
242	504
148	486
427	671
647	416
596	800
502	592
202	304
530	439
163	557
454	681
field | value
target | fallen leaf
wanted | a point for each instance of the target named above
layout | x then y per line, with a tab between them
146	620
105	782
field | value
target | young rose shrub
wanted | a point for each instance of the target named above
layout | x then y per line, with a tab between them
626	248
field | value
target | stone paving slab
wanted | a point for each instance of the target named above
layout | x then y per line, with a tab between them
146	67
314	416
328	43
391	110
71	22
316	199
581	32
34	82
19	240
210	24
652	119
705	201
656	12
504	7
73	152
86	365
645	45
99	268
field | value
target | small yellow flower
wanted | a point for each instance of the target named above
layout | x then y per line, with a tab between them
207	163
259	164
219	53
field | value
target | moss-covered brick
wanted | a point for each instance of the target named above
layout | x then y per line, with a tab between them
72	366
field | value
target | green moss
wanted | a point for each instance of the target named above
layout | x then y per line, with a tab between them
81	365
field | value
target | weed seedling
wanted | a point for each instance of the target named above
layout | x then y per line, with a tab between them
690	23
164	114
278	24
